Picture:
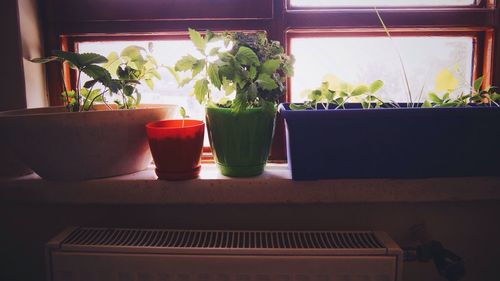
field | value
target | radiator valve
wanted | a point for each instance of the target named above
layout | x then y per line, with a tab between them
448	264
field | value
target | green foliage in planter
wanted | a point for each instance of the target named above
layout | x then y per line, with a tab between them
325	96
446	84
251	73
117	75
134	65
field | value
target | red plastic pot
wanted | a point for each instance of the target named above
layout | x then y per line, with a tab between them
176	146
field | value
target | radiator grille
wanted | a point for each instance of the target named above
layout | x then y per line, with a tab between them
222	239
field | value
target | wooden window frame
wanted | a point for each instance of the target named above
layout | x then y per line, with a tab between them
281	21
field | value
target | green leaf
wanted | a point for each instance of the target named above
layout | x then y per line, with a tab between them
315	95
252	92
426	104
45	60
214	51
266	82
113	62
201	90
294	106
435	98
128	90
155	73
209	35
174	73
150	59
270	66
252	72
247	56
133	52
376	85
495	96
213	74
182	112
89	84
97	72
185	63
70	57
197	40
184	82
227	86
86	59
360	90
114	85
198	67
150	83
478	83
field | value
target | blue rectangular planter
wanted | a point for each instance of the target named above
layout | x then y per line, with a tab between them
392	142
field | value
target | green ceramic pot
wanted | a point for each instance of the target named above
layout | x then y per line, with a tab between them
240	141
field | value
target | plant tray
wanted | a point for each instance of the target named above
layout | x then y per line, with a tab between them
392	142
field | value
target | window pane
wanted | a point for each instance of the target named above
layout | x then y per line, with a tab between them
166	53
358	60
371	3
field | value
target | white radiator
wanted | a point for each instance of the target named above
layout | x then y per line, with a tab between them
109	254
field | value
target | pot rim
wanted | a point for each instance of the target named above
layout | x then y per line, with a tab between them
60	110
151	125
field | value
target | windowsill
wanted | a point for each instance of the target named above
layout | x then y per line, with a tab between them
273	187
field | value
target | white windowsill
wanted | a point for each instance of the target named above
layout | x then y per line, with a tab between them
273	187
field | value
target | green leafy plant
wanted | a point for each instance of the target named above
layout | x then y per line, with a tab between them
251	73
326	96
476	95
128	70
87	63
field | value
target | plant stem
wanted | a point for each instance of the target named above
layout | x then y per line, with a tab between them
343	102
87	97
64	88
77	90
92	101
407	83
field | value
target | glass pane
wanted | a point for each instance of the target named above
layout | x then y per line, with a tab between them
166	53
379	3
358	60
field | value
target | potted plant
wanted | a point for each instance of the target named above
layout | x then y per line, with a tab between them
176	146
89	137
250	72
444	136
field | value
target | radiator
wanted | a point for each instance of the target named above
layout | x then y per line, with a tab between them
110	254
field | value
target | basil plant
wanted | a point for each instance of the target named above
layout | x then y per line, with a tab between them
249	70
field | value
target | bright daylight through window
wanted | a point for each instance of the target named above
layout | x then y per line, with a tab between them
371	3
348	60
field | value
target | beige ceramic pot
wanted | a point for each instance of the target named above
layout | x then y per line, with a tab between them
60	145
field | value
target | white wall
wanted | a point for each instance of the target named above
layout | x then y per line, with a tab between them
32	47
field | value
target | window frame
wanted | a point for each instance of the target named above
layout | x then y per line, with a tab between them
482	20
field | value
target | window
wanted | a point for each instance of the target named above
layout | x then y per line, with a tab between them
338	37
358	60
379	3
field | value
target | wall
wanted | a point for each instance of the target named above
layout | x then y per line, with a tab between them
470	229
32	47
12	78
22	36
